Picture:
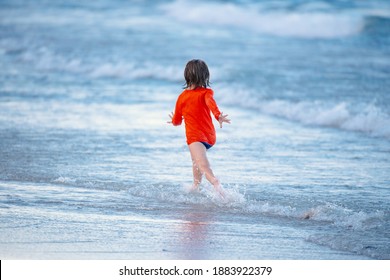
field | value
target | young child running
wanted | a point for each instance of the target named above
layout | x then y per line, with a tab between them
194	105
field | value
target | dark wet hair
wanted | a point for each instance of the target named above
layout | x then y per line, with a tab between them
196	74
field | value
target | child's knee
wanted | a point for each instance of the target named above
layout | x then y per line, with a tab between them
205	167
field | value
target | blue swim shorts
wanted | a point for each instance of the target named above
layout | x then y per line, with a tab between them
207	145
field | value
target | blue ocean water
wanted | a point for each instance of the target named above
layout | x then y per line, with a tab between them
89	168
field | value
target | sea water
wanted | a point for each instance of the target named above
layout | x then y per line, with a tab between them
90	169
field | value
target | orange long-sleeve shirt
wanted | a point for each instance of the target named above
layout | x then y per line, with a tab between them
195	106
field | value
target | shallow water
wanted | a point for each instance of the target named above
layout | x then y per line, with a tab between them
89	168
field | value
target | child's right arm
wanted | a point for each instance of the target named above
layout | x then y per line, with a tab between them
177	117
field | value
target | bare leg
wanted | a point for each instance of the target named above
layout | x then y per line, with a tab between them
197	176
201	163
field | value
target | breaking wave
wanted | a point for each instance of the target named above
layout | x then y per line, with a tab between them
307	22
368	119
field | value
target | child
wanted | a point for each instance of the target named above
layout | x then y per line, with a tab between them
194	105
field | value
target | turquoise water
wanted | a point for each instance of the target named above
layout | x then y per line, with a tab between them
89	168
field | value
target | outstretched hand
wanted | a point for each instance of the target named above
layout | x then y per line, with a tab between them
171	117
223	118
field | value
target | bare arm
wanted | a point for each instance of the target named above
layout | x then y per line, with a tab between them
177	117
171	117
223	118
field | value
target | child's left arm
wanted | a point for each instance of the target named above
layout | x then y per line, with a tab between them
212	105
223	118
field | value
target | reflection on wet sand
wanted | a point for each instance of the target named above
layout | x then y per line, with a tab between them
194	235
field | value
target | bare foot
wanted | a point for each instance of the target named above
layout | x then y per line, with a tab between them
193	188
218	188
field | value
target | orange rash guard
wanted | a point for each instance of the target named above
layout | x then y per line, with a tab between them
195	106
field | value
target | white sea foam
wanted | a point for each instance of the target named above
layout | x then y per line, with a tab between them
232	196
64	180
271	209
131	71
354	225
310	24
369	119
180	194
344	217
239	203
47	60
